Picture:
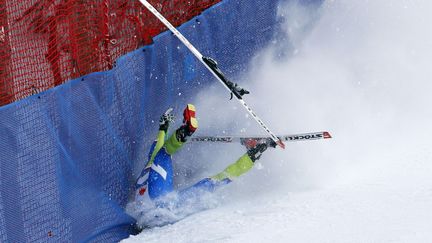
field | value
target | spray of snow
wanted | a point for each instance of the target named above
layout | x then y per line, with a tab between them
362	72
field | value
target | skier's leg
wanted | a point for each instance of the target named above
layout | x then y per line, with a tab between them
180	136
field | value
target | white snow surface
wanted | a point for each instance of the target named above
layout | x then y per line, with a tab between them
363	72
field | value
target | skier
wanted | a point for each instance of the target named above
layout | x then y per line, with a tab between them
156	179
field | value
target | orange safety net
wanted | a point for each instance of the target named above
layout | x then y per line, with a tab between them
44	43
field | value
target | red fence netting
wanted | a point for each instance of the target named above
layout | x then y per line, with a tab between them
44	43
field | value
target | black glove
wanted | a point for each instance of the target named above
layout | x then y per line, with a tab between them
165	120
234	86
256	152
257	146
240	90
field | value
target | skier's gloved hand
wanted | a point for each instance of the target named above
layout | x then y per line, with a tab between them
166	119
256	152
240	90
256	147
237	88
271	143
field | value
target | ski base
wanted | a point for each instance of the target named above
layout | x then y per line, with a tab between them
285	138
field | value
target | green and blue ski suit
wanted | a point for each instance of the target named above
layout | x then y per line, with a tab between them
156	179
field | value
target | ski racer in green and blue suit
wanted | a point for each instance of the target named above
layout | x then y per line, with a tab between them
156	179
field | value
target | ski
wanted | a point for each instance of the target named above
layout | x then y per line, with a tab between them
214	69
243	140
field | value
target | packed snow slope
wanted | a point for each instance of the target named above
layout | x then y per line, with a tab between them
361	71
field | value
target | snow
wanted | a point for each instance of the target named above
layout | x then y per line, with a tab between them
361	72
391	203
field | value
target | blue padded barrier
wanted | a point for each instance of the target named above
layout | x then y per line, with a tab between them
67	155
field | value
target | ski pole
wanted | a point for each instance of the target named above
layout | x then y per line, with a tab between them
213	68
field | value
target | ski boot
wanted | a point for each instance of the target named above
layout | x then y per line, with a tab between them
190	124
180	136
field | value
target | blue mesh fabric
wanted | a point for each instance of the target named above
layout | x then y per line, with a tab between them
67	154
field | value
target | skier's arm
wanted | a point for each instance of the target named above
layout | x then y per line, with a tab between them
164	122
160	140
241	166
244	163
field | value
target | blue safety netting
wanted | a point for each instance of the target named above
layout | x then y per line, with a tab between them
67	155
